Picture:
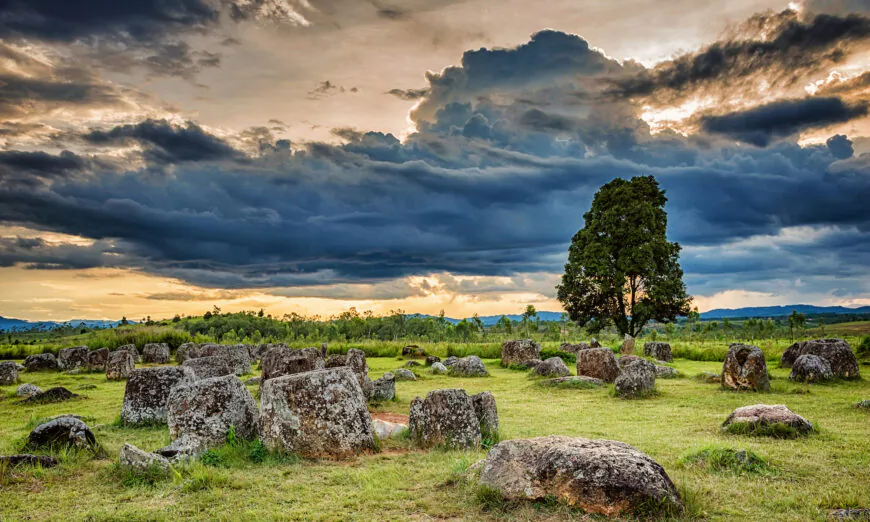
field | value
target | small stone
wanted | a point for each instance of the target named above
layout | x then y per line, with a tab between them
49	396
578	381
412	350
432	359
137	357
134	459
388	430
593	343
280	361
26	459
403	374
666	372
850	514
438	369
412	364
28	390
552	367
62	431
574	348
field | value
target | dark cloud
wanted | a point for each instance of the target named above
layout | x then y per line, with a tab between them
840	146
408	94
760	125
327	88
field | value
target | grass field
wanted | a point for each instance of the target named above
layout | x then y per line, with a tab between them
803	479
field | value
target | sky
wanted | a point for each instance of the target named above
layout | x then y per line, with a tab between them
161	157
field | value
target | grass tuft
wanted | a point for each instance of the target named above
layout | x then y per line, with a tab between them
730	460
778	430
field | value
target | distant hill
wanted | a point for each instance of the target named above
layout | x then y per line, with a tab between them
20	324
780	311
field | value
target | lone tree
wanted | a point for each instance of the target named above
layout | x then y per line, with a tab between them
621	268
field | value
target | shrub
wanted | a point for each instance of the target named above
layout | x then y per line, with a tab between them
863	349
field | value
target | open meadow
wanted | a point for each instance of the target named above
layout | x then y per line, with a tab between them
796	479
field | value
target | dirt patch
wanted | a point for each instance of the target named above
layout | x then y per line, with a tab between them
391	417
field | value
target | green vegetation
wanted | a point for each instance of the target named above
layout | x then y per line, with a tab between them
777	430
730	460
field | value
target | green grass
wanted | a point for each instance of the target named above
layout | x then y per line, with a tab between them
730	460
815	474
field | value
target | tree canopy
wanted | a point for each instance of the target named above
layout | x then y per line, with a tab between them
621	268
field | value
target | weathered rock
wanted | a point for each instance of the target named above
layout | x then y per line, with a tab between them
209	367
850	514
574	348
487	415
356	361
200	415
791	354
41	362
593	343
51	395
237	356
470	366
62	431
578	381
120	365
413	350
137	357
811	368
709	377
147	393
626	359
280	361
665	372
404	374
97	360
552	367
838	354
599	363
257	351
863	405
26	459
8	373
438	369
336	360
324	350
412	364
519	351
745	368
598	476
155	353
317	413
388	430
252	381
70	358
530	364
134	459
383	389
445	418
450	361
659	351
638	379
183	352
627	347
28	390
432	359
760	416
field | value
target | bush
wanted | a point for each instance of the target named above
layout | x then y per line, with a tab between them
863	349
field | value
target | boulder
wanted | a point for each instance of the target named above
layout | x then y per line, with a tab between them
760	416
599	363
811	368
324	350
28	390
638	379
626	359
257	351
530	364
237	355
134	459
861	514
62	431
120	365
432	359
51	395
574	348
137	358
209	367
665	372
519	351
470	366
8	373
147	393
552	367
26	459
487	415
356	361
838	354
40	362
387	430
445	418
627	347
658	351
71	358
438	369
316	413
336	360
383	389
281	361
155	353
598	476
791	354
183	352
450	361
404	374
413	350
97	360
200	415
745	368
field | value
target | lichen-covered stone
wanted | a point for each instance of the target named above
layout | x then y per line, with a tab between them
486	411
155	353
147	393
62	431
209	367
599	363
71	358
356	361
626	359
41	362
28	390
745	368
237	356
200	415
120	365
598	476
49	396
518	351
790	354
336	360
315	414
445	418
637	379
432	359
837	353
665	372
183	352
764	415
281	361
137	357
811	368
552	367
627	347
8	373
135	459
438	369
658	350
404	374
574	348
388	430
470	366
97	360
383	389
